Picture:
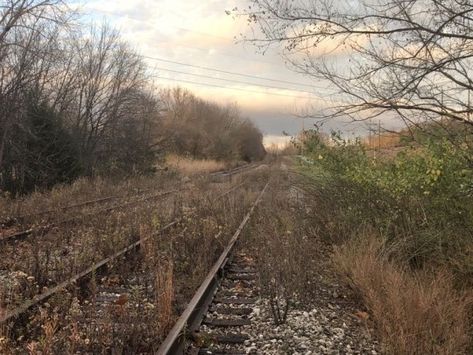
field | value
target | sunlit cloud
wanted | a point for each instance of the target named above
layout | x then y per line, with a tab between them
201	34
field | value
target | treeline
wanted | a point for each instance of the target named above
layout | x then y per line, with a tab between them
77	102
206	130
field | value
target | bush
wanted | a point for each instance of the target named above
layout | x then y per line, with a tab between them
403	226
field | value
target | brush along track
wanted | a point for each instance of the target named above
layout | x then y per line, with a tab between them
11	315
14	220
184	336
22	235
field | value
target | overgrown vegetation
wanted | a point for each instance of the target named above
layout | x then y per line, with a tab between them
404	228
153	283
204	130
78	101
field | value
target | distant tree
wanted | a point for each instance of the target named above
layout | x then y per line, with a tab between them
204	129
250	141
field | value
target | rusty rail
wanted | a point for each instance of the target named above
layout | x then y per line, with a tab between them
68	207
189	321
16	312
28	232
235	170
45	295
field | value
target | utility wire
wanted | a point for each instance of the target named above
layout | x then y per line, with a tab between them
236	81
226	72
238	89
149	22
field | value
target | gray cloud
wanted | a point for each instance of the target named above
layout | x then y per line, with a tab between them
200	33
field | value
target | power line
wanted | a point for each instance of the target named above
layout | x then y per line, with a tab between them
203	49
226	72
236	81
238	89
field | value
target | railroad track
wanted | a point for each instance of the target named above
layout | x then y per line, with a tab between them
237	170
22	235
9	316
18	219
221	302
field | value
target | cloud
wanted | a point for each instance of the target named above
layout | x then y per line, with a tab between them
201	34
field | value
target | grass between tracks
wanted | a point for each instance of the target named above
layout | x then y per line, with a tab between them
403	234
190	166
159	279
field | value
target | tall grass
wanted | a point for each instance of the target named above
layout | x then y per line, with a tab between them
189	166
414	312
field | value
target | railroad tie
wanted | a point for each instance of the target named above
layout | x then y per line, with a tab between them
235	300
222	330
225	310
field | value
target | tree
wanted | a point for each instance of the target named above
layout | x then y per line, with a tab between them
23	26
87	86
409	57
207	130
45	153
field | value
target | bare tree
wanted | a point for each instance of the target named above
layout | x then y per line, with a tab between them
411	57
204	129
86	89
24	28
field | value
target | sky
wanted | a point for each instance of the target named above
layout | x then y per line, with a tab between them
196	45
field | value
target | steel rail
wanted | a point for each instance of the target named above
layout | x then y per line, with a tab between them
68	207
26	233
235	170
96	266
16	312
192	316
231	190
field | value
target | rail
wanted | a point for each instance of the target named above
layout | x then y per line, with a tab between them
28	232
16	312
192	316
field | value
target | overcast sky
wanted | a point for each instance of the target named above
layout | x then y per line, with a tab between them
199	33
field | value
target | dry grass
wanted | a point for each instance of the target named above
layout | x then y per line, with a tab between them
188	166
384	140
415	313
164	290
